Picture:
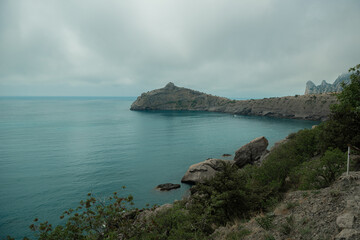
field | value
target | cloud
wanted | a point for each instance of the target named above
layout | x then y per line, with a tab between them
231	48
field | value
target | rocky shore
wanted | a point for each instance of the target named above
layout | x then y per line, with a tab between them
329	213
171	97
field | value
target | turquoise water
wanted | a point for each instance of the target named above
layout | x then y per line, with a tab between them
53	151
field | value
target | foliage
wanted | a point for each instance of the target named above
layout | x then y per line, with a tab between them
238	235
223	197
343	126
269	237
174	223
236	193
287	227
320	172
93	219
266	222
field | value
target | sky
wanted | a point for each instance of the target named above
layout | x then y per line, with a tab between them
232	48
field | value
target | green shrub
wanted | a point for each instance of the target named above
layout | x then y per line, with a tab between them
343	126
287	227
320	172
269	237
174	223
93	219
223	197
266	222
238	235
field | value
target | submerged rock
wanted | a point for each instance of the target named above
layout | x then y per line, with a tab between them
167	186
251	152
199	172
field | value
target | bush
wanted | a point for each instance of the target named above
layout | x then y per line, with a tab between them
265	222
320	172
174	223
223	197
343	126
93	219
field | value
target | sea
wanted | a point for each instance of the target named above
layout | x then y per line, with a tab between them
55	150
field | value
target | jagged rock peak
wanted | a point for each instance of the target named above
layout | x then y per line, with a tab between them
324	83
325	87
310	84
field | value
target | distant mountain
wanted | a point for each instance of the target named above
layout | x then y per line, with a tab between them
171	97
325	87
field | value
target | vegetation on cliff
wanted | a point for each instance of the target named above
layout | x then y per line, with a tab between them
310	159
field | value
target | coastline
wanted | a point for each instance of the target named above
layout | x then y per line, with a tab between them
306	107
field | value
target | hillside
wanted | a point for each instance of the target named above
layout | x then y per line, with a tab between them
171	97
328	213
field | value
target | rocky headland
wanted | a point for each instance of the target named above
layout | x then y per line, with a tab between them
171	97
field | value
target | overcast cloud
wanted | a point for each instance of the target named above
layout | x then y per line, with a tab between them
125	47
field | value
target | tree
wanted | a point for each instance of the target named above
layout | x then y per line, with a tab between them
343	126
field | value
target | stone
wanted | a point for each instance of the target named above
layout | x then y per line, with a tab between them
251	152
348	234
226	155
345	220
167	186
199	172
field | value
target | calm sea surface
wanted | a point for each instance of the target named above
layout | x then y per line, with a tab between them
53	151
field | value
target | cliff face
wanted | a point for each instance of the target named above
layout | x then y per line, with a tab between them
325	87
171	97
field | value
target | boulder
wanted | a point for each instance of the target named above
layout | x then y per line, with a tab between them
348	234
202	171
251	152
345	220
167	186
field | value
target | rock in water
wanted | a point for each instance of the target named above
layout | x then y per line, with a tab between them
202	171
251	152
167	186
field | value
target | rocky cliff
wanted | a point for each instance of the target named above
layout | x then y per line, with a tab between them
325	87
171	97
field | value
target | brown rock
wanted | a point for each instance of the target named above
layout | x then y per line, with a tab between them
348	234
167	186
345	220
251	152
202	171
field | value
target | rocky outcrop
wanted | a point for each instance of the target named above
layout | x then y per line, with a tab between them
167	186
202	171
171	97
325	87
251	152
